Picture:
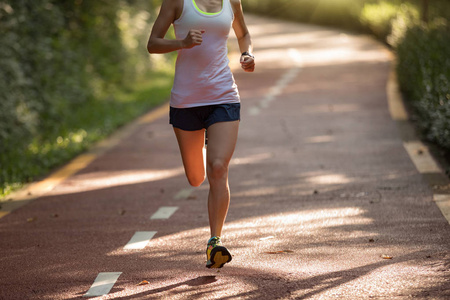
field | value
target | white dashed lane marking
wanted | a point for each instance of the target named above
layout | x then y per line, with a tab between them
139	240
278	88
184	193
103	284
164	212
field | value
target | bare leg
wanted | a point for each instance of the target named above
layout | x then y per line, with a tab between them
191	145
221	144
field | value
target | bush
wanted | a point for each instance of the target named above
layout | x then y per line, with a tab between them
378	17
41	78
424	74
406	17
71	72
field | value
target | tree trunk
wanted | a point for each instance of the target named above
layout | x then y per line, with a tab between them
425	4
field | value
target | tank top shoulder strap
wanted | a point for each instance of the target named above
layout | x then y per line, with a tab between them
227	4
185	6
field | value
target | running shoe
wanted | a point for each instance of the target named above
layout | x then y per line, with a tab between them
216	254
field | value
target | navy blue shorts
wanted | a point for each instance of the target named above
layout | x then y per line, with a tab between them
196	118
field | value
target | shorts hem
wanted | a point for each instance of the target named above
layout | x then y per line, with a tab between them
197	118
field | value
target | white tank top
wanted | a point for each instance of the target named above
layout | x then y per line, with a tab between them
202	74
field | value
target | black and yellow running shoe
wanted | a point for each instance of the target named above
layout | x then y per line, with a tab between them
216	254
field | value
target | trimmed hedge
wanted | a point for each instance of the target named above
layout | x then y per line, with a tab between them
424	75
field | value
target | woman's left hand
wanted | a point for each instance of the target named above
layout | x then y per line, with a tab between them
247	63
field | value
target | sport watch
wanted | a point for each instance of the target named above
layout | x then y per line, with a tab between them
248	54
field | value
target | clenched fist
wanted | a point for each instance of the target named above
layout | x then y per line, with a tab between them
193	38
248	63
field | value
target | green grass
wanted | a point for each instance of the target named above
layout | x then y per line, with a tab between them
88	124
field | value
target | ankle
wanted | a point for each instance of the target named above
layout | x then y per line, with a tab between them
214	238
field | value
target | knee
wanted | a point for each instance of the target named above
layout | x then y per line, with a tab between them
196	180
217	169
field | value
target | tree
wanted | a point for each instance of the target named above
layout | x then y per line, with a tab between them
425	5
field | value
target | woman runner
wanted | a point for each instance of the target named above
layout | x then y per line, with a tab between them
204	99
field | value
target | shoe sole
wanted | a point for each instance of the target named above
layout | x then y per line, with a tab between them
219	256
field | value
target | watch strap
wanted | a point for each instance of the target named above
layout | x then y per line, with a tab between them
248	54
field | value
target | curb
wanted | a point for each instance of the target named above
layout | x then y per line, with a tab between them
34	190
417	151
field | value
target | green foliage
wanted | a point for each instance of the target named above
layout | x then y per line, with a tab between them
406	17
65	65
378	17
342	13
52	52
424	74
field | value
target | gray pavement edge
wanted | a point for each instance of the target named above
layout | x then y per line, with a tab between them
419	153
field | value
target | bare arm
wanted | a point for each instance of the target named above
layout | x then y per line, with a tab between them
243	37
170	11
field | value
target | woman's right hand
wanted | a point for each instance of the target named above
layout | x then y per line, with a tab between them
193	38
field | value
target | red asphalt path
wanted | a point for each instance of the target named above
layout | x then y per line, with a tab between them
321	186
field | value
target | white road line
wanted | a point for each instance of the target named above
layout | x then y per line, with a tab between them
443	202
139	240
421	157
183	194
103	284
164	212
278	88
